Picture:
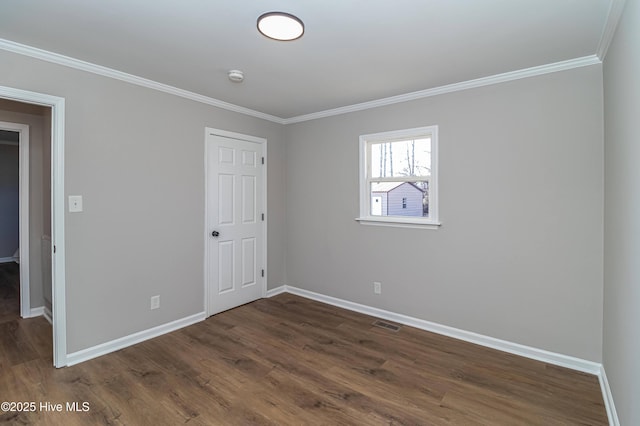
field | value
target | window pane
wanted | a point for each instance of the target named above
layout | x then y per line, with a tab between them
400	199
401	158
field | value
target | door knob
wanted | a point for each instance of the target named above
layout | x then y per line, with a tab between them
215	234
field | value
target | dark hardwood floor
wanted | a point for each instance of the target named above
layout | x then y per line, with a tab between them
9	291
288	360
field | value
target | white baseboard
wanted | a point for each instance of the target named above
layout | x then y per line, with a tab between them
7	259
502	345
48	315
132	339
276	291
35	312
468	336
608	398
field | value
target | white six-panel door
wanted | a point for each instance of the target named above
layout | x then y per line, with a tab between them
235	222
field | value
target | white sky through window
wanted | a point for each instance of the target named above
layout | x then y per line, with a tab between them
401	158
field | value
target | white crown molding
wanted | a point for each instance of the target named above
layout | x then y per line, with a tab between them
78	64
455	87
613	17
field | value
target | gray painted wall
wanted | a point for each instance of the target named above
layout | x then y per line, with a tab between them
621	348
9	199
137	157
35	120
519	255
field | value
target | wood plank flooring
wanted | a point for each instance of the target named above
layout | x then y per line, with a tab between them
9	292
292	361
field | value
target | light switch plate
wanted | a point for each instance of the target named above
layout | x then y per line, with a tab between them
75	203
155	302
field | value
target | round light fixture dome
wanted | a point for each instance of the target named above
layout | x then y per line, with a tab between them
280	26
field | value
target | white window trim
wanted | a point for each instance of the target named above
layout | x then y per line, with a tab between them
365	218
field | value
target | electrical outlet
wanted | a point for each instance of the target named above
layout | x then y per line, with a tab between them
155	302
377	287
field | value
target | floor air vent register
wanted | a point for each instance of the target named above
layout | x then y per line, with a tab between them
386	325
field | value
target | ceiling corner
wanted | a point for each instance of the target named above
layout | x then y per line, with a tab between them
613	17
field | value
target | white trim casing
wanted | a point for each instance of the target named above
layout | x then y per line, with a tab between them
205	251
366	218
205	304
132	339
233	135
265	209
25	243
58	247
57	105
396	222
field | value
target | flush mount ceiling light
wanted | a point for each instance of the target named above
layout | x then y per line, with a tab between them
280	26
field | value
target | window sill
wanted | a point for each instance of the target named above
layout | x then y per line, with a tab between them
398	222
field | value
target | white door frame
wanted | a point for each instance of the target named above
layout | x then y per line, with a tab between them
57	105
207	227
23	203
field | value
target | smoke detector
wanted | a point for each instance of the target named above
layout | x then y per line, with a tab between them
236	76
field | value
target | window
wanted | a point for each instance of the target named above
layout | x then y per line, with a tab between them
398	178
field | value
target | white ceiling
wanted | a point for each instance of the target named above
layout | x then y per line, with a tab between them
352	51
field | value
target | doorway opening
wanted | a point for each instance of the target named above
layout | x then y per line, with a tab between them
15	192
39	121
10	180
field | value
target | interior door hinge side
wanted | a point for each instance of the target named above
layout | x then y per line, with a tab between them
263	272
